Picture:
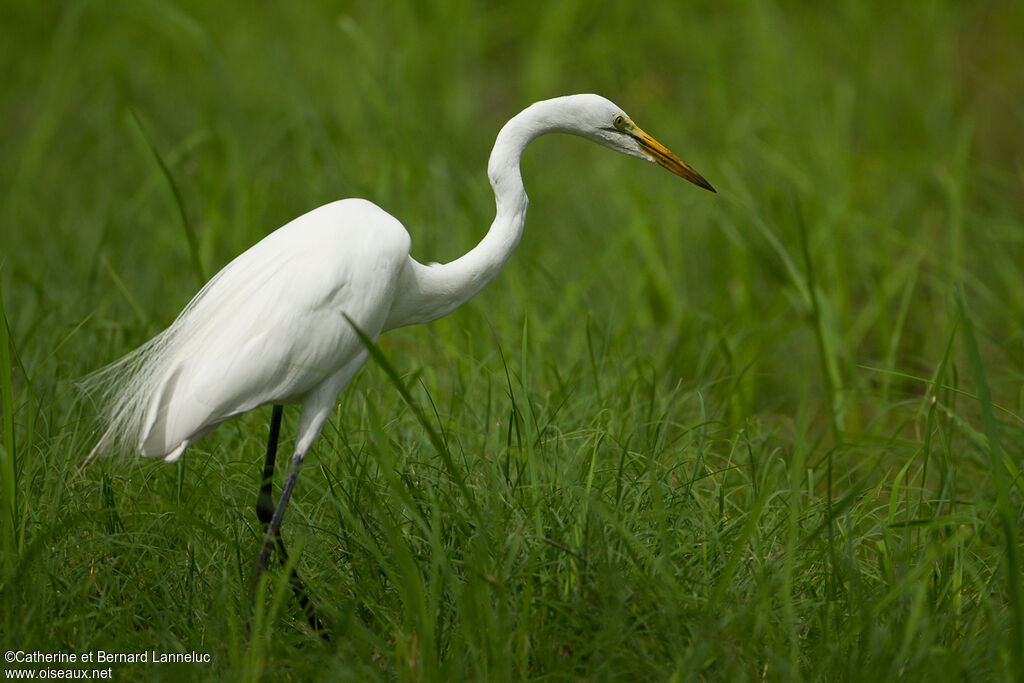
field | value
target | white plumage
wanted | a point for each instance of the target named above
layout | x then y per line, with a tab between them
245	340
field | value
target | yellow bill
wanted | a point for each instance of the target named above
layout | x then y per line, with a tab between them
663	157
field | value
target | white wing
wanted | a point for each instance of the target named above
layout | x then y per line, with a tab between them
269	327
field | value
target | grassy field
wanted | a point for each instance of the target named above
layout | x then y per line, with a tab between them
774	433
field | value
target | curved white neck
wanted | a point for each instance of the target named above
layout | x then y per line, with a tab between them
473	271
430	292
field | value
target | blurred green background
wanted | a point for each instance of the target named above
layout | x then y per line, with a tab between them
804	321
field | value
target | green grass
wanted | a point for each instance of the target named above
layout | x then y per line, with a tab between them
774	433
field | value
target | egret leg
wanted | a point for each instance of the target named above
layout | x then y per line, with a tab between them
310	425
265	513
265	500
315	410
314	413
272	537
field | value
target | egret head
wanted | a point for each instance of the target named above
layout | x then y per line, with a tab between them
602	121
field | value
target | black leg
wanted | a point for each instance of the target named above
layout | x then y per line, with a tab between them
265	513
272	537
265	501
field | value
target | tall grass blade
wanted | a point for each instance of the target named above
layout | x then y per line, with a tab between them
8	464
190	235
435	437
826	355
999	476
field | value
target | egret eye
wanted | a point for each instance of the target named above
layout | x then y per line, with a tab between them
619	121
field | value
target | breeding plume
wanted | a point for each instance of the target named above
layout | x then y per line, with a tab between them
276	324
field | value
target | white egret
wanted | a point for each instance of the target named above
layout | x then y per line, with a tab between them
275	325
